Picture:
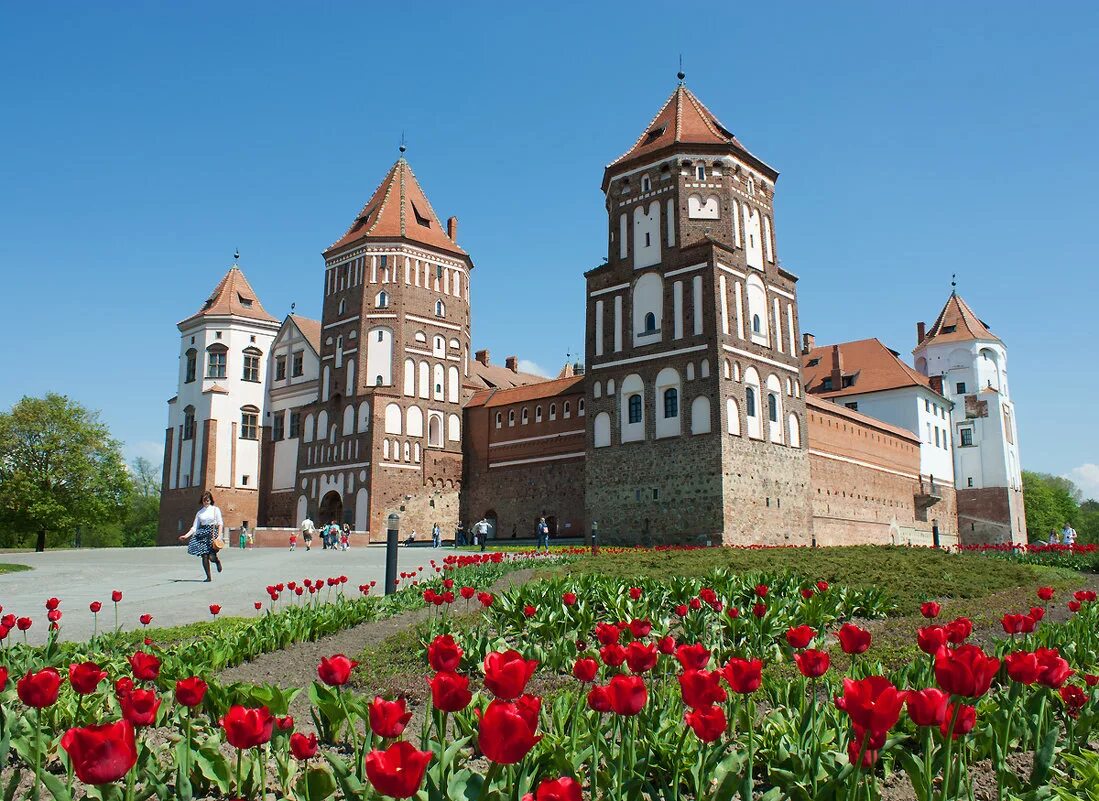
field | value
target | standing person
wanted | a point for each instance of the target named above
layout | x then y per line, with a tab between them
243	536
208	526
481	530
293	539
436	535
345	537
460	535
1053	536
1068	535
543	534
307	531
333	534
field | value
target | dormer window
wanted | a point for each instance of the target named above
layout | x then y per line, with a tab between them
700	172
949	329
655	133
421	219
646	184
245	302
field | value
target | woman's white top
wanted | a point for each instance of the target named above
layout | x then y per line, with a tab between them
207	516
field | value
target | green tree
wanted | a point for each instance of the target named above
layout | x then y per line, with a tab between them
60	471
143	505
1050	501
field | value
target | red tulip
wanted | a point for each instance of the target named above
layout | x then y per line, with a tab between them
3	678
959	629
701	688
95	606
335	671
681	610
215	609
585	669
855	747
931	638
812	663
23	623
39	690
303	747
54	615
145	666
635	593
807	593
285	723
930	609
1074	606
467	592
1045	593
666	644
640	628
1022	666
85	677
822	586
759	610
123	687
762	590
116	596
627	694
708	722
485	598
450	691
612	655
967	719
743	675
695	604
873	703
529	610
505	734
599	699
259	604
965	670
569	598
563	789
443	654
1053	671
1037	612
732	612
397	771
140	707
507	673
101	754
247	728
927	707
190	692
1074	697
388	718
800	636
1012	623
1090	679
146	619
693	656
607	633
853	640
640	657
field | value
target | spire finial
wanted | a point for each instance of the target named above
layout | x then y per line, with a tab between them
953	283
236	255
681	74
292	307
402	148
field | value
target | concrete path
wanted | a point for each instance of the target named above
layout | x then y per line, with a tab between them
167	583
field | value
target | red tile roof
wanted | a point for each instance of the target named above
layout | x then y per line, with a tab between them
233	296
683	119
493	376
868	365
830	407
957	323
399	209
310	329
542	389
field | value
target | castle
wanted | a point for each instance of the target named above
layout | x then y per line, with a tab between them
701	412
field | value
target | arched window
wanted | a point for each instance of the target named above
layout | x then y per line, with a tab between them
631	425
414	422
499	420
732	413
727	369
648	306
671	402
453	428
635	409
646	183
525	417
407	452
553	411
704	369
700	415
602	430
580	408
650	323
191	369
511	417
538	414
343	306
392	419
440	309
750	401
566	410
757	324
435	430
249	422
437	375
597	390
189	422
216	359
772	407
381	300
794	426
385	449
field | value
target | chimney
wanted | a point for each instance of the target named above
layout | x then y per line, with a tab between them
921	329
837	368
452	229
482	357
512	363
808	342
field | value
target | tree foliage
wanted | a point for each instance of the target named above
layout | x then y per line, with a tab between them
60	471
1052	501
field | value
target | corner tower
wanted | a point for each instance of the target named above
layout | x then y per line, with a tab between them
385	434
961	352
215	421
696	415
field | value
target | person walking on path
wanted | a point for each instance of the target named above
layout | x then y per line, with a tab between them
307	530
460	535
207	528
543	534
243	536
1068	535
436	535
345	537
481	531
293	539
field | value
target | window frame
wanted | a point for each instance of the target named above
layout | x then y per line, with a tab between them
671	403
633	409
249	423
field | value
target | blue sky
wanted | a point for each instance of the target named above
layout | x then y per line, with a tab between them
143	142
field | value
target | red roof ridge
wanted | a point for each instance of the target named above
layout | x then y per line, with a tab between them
843	411
957	313
501	396
228	298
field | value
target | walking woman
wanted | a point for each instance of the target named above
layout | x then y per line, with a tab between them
208	526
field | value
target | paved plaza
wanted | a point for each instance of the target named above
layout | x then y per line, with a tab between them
168	584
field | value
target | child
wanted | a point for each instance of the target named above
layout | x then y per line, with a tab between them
345	540
293	539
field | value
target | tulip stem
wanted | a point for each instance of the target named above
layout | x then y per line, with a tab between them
594	780
949	748
37	749
746	786
678	754
240	791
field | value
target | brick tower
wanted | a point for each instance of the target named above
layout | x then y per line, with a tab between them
696	420
385	432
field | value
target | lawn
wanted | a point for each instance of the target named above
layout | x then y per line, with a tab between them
5	568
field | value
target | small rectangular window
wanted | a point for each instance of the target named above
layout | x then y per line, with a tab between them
191	367
853	406
926	405
700	171
936	436
966	435
637	495
656	494
278	421
280	368
969	482
215	367
295	425
251	367
298	367
249	425
960	387
244	481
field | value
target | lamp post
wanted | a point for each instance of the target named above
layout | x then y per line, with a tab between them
392	529
594	538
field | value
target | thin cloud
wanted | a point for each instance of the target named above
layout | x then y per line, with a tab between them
527	366
1086	477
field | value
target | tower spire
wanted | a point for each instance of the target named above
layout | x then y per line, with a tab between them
402	147
681	74
953	284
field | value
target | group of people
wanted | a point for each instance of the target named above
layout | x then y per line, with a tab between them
334	537
1066	537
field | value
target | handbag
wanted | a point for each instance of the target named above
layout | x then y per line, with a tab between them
217	543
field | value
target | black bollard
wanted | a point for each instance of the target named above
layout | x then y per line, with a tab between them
394	525
594	538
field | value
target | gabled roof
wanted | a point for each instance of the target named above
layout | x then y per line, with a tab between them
310	329
867	365
542	389
496	376
232	296
399	209
957	323
683	120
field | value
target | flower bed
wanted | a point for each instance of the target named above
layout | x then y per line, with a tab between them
1074	557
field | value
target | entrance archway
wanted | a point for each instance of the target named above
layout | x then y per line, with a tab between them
331	509
490	518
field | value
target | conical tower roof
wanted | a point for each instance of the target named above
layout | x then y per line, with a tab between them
232	296
684	120
957	323
398	209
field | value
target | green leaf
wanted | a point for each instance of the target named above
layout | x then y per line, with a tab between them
56	787
317	784
1043	759
914	767
465	785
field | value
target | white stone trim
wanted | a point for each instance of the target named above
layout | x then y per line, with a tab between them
682	270
418	352
666	354
400	466
782	292
730	270
379	316
860	463
534	439
759	358
436	321
348	320
615	288
335	468
539	459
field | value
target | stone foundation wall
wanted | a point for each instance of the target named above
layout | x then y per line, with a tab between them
179	507
520	494
766	493
987	516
